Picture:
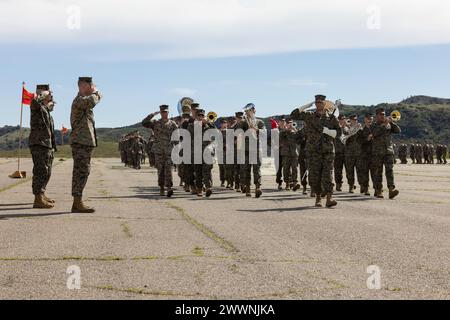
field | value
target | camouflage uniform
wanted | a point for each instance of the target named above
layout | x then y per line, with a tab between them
444	154
366	160
383	153
418	153
302	160
290	156
223	166
247	168
339	159
281	151
82	139
320	149
42	145
403	153
352	157
162	147
202	171
412	153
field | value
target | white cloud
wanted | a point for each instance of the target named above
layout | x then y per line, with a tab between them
161	29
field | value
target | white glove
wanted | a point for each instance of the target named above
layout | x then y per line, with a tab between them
331	133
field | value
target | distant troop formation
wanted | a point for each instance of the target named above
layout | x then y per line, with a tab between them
307	156
422	153
133	150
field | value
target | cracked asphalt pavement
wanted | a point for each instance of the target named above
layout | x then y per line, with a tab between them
139	245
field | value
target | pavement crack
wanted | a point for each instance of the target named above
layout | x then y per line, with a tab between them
223	243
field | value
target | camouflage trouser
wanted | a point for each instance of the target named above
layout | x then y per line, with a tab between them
246	173
290	169
418	159
303	170
352	165
378	161
81	168
339	161
366	168
320	166
163	163
181	172
229	170
237	173
42	168
222	173
279	178
402	158
152	159
203	175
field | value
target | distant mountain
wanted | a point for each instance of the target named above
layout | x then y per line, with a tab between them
425	100
423	119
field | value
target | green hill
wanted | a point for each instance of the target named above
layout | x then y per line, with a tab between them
424	119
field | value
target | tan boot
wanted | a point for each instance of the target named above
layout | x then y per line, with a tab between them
318	200
48	199
258	192
41	203
330	202
161	191
304	190
350	189
393	192
288	187
79	207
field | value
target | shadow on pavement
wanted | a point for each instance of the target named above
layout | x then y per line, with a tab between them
31	215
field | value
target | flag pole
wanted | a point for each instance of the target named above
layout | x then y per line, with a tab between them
20	130
18	174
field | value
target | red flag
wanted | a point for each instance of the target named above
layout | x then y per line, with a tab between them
27	97
64	130
273	123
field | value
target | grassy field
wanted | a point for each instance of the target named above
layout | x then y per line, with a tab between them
105	149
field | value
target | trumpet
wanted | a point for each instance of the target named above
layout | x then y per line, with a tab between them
396	115
211	116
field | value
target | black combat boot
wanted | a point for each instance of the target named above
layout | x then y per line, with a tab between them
393	192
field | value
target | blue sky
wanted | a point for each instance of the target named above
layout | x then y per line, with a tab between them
269	66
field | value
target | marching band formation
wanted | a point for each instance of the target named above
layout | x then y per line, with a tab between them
326	143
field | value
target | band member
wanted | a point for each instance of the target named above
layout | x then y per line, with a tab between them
83	139
412	153
162	129
383	153
250	122
352	151
236	167
321	129
223	166
302	159
183	167
290	138
366	155
281	147
202	170
42	144
190	168
339	158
